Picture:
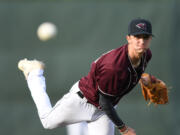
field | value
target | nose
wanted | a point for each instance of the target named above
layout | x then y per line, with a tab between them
141	40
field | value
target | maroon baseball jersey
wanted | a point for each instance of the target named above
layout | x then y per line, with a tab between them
112	74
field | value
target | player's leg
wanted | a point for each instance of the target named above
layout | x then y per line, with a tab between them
85	128
68	110
77	129
104	126
37	86
33	71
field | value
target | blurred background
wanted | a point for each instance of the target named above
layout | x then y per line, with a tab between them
86	29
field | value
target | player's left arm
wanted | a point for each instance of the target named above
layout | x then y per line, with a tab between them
108	108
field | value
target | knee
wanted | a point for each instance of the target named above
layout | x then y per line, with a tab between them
49	124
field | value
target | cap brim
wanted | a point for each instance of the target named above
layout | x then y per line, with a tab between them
140	33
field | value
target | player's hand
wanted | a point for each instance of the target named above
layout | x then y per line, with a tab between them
129	131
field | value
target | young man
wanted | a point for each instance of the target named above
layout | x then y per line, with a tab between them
93	97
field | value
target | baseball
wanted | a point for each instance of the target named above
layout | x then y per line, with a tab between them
46	31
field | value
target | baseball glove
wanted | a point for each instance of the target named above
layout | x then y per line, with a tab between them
154	90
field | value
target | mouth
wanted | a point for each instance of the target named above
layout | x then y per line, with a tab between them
141	48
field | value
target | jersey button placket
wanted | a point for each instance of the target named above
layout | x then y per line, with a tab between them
135	78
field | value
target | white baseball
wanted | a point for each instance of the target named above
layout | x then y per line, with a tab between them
46	31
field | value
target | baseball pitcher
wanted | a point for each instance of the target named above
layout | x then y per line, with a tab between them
93	98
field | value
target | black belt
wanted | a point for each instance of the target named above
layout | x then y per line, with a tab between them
80	94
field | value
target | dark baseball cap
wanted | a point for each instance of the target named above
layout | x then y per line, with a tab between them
140	26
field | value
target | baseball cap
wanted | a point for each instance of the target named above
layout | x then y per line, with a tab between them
140	26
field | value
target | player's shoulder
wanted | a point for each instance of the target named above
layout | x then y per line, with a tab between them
122	48
116	57
118	51
112	56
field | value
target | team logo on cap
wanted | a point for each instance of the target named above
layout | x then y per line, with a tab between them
141	26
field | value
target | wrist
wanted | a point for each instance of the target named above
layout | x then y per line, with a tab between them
123	129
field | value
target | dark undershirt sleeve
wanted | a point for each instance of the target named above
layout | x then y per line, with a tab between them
108	108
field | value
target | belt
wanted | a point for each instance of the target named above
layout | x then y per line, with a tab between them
80	94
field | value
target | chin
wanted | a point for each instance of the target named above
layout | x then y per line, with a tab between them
140	51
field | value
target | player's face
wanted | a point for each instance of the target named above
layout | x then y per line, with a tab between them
139	43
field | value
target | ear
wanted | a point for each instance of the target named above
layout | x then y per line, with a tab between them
128	38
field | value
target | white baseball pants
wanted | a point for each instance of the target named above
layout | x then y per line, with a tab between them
77	129
68	110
